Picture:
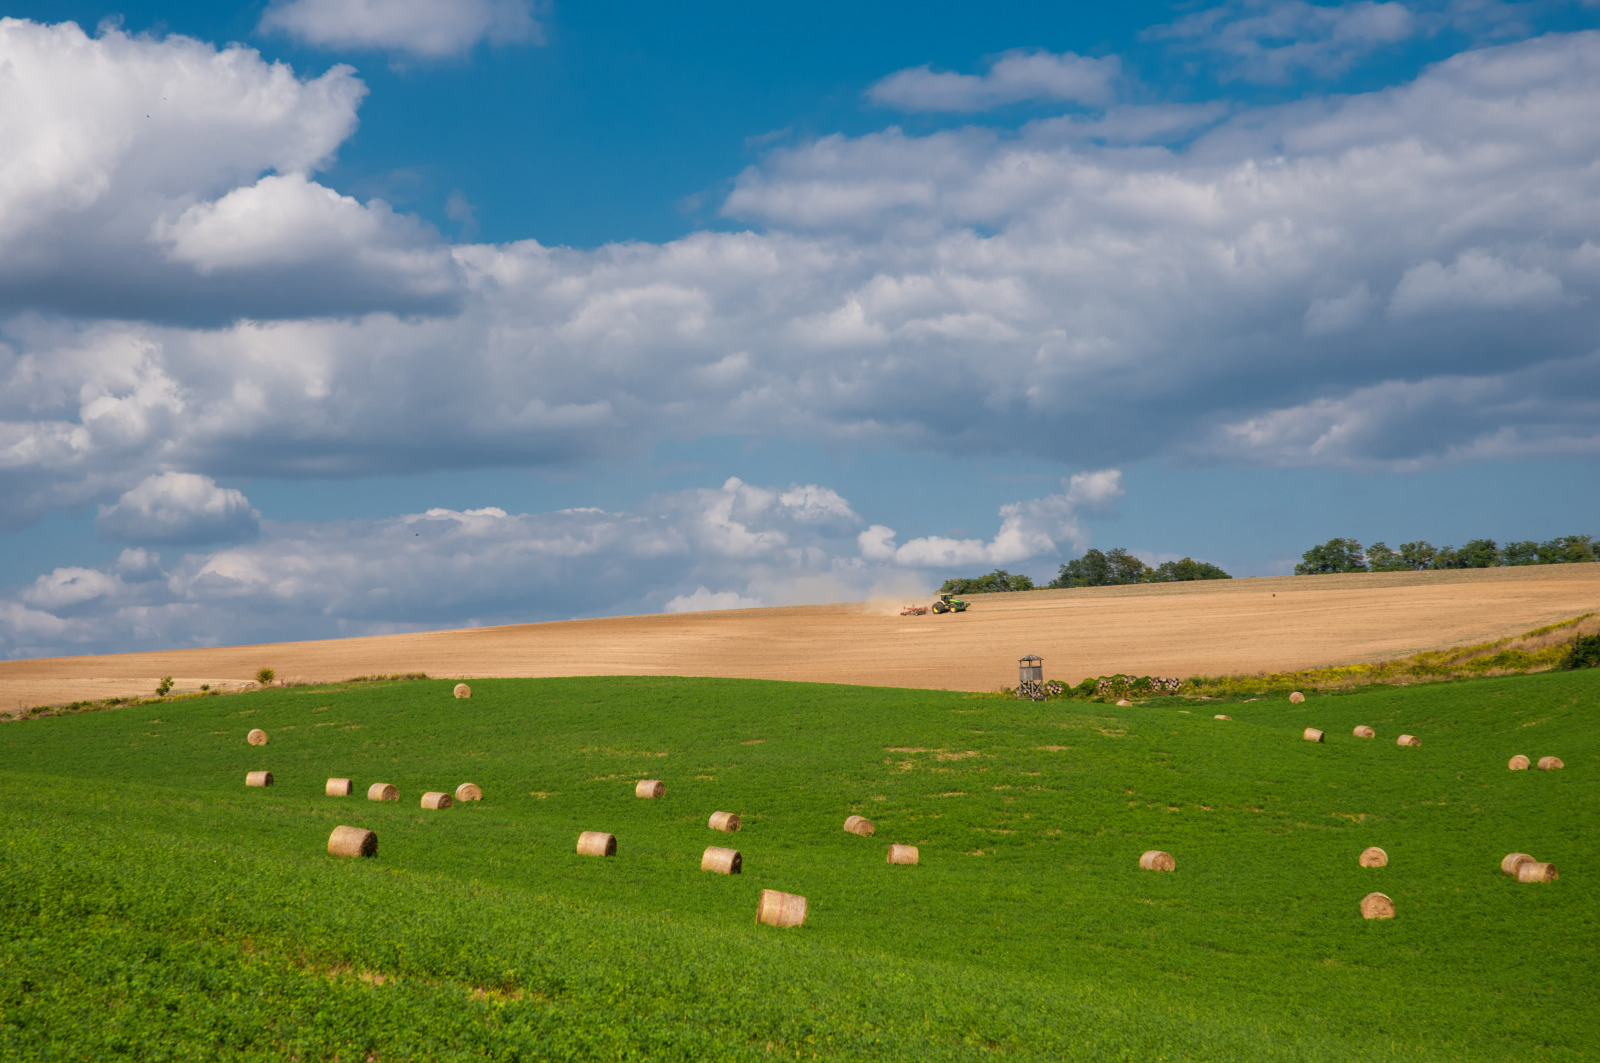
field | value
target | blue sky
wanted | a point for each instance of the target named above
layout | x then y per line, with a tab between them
328	317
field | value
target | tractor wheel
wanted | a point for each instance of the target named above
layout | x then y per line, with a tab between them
940	607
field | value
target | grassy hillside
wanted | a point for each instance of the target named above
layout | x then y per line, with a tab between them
152	907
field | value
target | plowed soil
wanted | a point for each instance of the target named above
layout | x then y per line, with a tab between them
1218	627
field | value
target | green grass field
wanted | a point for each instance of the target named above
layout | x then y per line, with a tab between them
152	907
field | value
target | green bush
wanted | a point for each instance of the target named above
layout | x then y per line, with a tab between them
1585	653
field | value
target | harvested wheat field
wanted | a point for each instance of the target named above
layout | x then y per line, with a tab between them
1240	626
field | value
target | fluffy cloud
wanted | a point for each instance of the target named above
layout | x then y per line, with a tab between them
426	29
1014	77
179	508
133	184
1052	292
1272	40
1035	528
733	546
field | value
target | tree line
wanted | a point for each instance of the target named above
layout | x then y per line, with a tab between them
1348	555
1094	569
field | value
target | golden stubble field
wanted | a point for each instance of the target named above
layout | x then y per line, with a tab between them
1220	627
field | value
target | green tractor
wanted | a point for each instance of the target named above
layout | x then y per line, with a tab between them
949	603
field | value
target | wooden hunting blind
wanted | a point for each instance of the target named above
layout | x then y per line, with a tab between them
1030	677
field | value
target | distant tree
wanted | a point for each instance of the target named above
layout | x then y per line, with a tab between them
1097	569
1335	555
164	687
1522	552
1448	557
265	676
1185	570
1125	568
1382	559
1418	555
995	582
1087	571
1480	553
1566	550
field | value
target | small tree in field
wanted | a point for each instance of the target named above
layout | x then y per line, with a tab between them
266	676
164	687
1335	555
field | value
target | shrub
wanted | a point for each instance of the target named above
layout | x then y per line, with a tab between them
266	676
164	687
1585	653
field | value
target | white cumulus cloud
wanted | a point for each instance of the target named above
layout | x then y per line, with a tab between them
1272	40
1012	78
181	508
426	29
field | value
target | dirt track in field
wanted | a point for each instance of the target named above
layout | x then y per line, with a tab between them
1212	628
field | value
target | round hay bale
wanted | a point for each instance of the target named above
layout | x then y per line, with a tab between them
1219	716
1125	704
257	737
1297	697
902	854
1311	734
337	788
781	909
258	778
1534	871
1518	763
1408	740
1377	906
649	788
382	791
727	822
860	825
469	792
1363	731
1372	856
1511	861
435	800
463	691
352	841
1550	763
1156	860
722	861
597	843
